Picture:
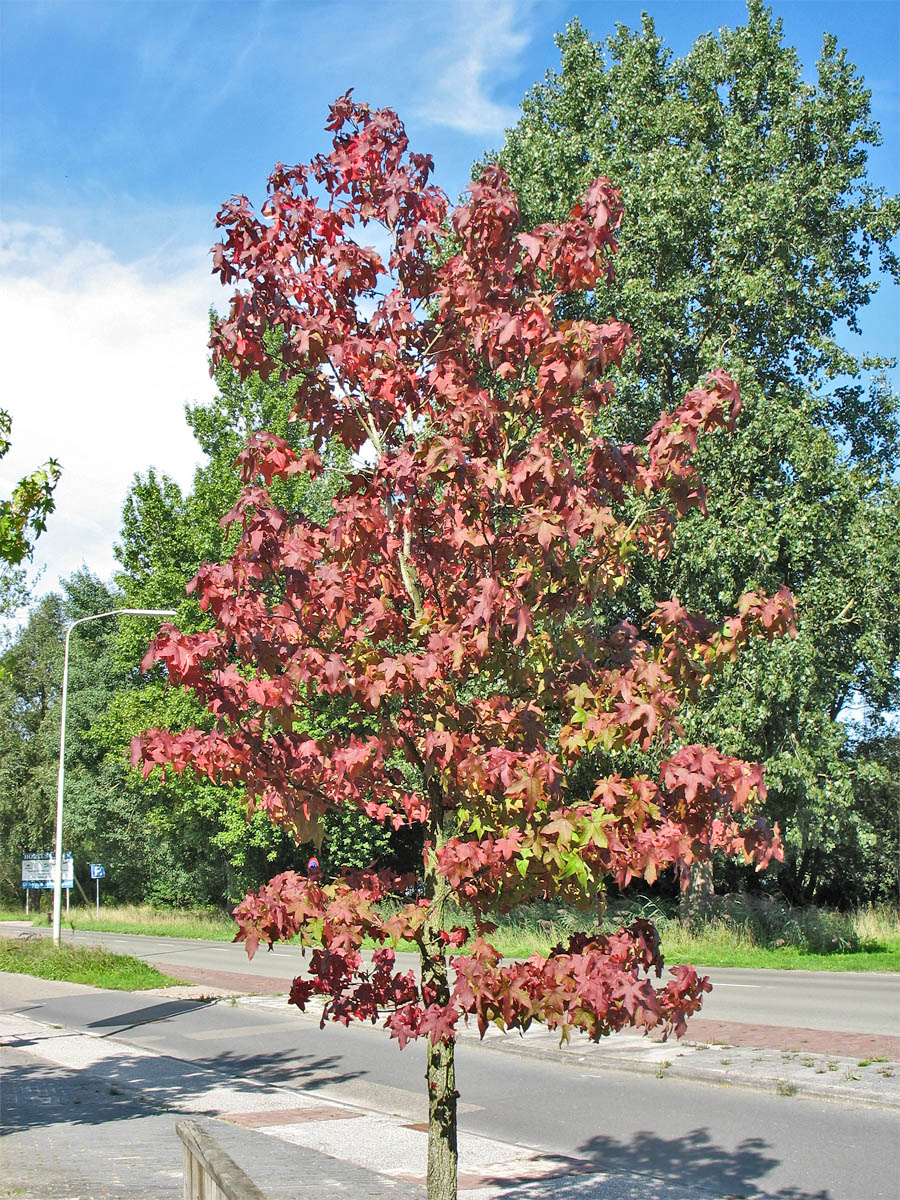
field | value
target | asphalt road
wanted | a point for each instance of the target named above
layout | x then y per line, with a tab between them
841	1001
731	1142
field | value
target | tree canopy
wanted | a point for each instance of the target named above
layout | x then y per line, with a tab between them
458	601
24	515
751	241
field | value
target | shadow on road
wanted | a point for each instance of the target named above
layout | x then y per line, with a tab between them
671	1167
148	1015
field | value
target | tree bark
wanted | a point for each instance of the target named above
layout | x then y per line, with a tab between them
700	890
440	1075
441	1072
442	1152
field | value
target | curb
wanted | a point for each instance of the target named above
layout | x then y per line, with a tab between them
781	1074
778	1086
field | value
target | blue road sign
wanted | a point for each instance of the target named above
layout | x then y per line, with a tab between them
97	871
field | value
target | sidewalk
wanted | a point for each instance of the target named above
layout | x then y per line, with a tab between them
94	1116
89	1117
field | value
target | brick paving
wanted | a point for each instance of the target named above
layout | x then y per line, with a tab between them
808	1041
228	981
290	1116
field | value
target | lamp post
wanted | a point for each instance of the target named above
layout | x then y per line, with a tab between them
57	865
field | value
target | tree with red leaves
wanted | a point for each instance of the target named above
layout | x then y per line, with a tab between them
459	602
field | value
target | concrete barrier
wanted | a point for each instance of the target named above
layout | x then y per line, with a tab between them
209	1173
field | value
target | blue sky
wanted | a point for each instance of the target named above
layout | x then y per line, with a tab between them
125	123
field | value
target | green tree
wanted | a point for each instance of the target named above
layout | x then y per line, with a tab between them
750	238
186	842
99	822
30	680
24	515
166	535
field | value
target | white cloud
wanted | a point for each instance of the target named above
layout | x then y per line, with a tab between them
99	358
480	46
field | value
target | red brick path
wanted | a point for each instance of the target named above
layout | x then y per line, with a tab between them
810	1041
229	981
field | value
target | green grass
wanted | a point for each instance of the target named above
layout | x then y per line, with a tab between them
210	925
737	931
753	932
35	955
708	953
744	932
708	950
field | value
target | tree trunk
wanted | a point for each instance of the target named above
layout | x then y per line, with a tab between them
697	896
441	1073
442	1155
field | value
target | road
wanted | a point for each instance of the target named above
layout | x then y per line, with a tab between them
838	1001
720	1141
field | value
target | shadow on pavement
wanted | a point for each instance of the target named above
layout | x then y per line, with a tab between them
669	1168
126	1081
68	1133
283	1068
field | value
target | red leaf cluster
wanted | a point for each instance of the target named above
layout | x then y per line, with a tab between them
595	984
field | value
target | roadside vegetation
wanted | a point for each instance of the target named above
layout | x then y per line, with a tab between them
208	924
31	955
731	931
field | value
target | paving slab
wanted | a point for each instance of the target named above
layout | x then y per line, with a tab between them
69	1133
52	1121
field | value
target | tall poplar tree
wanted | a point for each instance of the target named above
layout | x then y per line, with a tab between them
751	241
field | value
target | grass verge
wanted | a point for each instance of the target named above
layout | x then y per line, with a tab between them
737	931
785	958
705	950
79	964
209	925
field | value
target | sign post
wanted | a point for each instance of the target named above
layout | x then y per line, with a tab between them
98	871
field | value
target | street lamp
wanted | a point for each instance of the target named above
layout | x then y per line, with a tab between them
57	865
